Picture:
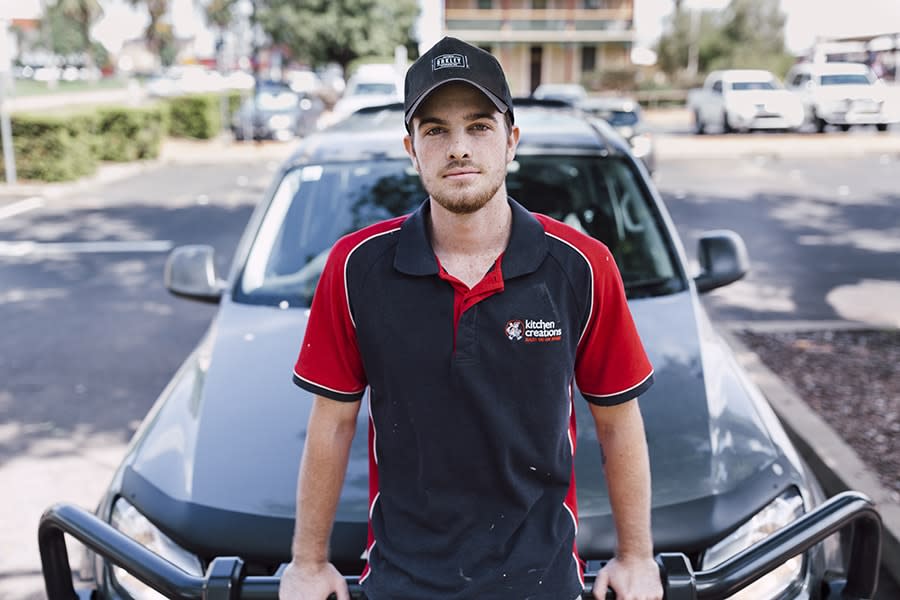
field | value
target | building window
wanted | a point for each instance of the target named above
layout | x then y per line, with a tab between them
485	4
592	4
588	59
539	4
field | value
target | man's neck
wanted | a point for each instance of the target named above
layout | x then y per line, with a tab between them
467	245
487	229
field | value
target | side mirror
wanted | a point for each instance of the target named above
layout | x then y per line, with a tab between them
723	259
191	273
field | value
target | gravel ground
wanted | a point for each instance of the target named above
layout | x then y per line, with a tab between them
852	379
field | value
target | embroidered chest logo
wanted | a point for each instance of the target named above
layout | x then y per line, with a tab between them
445	61
514	329
533	330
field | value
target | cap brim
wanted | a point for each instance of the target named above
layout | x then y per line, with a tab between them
501	106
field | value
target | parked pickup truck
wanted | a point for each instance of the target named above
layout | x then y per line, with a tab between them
744	100
843	94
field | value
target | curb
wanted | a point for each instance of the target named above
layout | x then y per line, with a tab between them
834	462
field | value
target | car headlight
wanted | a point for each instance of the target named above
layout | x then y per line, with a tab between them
780	512
641	145
279	122
127	519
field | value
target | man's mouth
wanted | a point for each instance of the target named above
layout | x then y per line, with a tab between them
460	173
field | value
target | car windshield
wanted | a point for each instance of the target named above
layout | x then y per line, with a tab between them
372	88
845	79
314	205
742	86
617	118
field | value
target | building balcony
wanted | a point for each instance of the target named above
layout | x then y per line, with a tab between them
547	25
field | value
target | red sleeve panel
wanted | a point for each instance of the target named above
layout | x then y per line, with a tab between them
329	364
611	365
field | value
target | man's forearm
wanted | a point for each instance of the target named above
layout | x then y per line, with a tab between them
322	469
620	430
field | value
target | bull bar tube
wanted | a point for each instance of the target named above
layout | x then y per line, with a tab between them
225	579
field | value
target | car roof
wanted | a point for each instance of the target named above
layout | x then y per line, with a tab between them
622	103
376	133
746	75
832	67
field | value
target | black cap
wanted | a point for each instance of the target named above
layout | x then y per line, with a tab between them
455	60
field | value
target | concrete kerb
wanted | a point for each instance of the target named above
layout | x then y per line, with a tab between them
834	462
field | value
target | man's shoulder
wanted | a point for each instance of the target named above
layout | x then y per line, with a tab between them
571	239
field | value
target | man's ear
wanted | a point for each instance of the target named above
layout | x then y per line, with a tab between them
411	151
512	142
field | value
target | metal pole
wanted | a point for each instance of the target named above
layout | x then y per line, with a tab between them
9	159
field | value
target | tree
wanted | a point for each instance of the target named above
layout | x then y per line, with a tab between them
220	13
746	34
68	25
341	31
158	33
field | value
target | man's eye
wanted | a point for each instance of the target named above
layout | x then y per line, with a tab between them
480	127
434	131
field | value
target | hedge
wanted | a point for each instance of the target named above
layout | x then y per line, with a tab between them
60	147
53	148
196	116
129	133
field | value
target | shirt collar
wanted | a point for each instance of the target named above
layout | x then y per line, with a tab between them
524	254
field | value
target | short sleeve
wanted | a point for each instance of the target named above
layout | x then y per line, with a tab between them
329	363
611	366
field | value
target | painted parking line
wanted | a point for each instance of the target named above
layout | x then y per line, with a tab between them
31	248
23	206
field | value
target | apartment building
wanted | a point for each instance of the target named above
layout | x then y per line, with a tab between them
547	41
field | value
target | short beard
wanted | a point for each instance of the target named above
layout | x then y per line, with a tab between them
464	204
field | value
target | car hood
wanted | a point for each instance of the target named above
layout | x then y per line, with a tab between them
350	104
836	93
224	445
777	97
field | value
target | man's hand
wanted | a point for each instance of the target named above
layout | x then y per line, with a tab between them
301	582
630	578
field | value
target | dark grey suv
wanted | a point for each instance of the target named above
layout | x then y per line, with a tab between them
203	504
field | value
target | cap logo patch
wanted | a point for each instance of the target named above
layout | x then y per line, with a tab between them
446	61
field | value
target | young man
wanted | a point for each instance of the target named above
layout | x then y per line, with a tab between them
471	424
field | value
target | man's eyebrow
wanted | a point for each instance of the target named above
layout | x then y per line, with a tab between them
475	116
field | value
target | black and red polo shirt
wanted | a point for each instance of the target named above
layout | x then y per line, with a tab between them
472	424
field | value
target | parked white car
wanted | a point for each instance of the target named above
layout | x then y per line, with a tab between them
371	85
743	100
843	94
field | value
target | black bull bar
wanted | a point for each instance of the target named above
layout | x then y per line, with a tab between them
225	578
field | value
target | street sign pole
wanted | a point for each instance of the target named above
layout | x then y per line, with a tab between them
9	160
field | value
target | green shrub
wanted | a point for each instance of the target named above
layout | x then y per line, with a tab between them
126	134
196	116
54	147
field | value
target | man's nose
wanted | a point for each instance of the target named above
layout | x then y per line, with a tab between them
459	148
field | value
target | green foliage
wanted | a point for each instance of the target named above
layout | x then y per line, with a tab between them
197	116
220	12
747	34
126	134
53	148
63	34
323	31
